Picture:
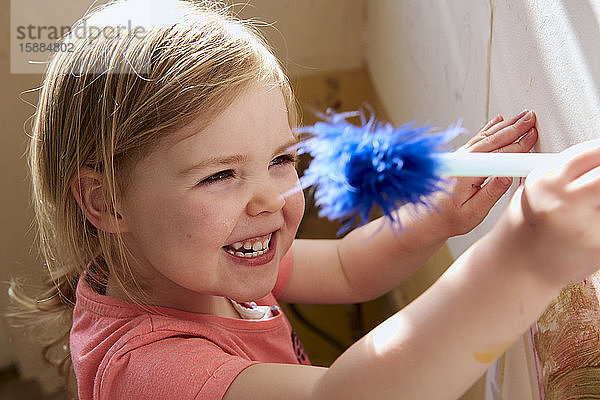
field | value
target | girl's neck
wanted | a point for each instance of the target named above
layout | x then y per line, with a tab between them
213	305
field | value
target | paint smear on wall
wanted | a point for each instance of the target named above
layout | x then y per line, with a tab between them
567	343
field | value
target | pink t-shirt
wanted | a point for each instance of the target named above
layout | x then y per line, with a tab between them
123	351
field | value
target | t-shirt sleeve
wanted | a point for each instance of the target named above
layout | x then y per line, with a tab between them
283	277
173	368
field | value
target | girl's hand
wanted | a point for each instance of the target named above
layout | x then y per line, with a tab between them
554	218
469	200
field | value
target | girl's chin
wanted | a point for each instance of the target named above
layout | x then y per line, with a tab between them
257	291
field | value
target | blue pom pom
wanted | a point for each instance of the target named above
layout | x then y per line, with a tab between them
356	168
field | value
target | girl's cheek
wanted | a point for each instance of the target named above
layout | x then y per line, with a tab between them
196	213
294	206
294	195
288	176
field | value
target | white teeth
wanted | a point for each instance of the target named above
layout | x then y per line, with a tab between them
246	255
257	248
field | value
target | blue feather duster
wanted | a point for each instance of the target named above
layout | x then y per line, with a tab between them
356	168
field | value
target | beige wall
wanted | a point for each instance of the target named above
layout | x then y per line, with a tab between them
17	252
311	36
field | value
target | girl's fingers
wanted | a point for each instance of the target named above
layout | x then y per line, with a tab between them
494	128
516	135
589	185
466	188
498	118
581	164
523	145
490	193
508	122
506	135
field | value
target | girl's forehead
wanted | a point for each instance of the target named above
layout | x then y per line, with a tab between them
256	105
257	117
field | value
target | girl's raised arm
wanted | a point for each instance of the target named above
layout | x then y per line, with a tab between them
434	348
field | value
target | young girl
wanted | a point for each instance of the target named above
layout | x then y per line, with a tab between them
159	165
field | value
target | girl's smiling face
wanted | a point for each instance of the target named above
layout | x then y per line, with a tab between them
196	205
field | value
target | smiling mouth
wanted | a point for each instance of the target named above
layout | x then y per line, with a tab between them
250	248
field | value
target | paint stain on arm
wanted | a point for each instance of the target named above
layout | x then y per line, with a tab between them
492	352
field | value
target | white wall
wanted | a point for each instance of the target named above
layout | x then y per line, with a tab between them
545	56
428	59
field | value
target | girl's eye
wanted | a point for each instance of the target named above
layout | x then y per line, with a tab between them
219	176
284	159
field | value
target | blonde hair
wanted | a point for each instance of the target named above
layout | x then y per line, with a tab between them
107	104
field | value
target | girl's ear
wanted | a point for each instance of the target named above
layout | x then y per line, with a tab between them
89	192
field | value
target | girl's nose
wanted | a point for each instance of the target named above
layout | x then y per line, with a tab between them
266	198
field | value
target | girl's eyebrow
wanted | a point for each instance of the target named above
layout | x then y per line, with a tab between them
213	161
288	146
235	158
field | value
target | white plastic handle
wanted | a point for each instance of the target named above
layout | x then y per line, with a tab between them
494	164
